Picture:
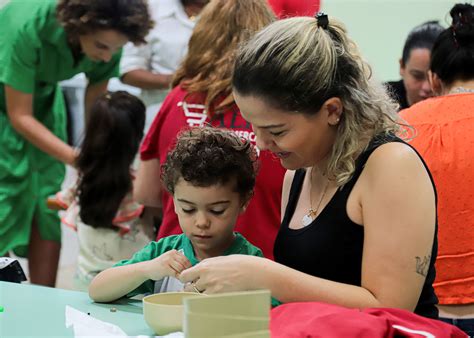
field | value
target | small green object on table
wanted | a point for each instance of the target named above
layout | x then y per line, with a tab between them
1	308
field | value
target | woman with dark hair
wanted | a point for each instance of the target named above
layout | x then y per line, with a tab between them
445	138
44	42
100	207
202	94
414	65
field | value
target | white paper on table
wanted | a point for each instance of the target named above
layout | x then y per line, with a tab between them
86	326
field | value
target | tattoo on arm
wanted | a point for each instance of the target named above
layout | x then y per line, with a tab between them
422	265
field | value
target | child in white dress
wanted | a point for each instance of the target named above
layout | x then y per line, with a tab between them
100	206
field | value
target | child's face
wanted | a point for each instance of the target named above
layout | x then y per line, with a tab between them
207	216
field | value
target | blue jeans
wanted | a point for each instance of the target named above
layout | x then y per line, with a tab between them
466	325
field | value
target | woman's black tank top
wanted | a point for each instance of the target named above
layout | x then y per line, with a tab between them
331	246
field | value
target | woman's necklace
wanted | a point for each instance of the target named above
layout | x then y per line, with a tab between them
311	215
458	90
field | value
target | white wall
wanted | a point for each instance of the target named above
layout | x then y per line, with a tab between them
380	27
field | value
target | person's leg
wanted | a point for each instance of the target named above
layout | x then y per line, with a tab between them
43	258
45	239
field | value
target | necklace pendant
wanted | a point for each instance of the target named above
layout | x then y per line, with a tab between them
307	219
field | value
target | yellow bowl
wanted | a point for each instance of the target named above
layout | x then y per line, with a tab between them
163	312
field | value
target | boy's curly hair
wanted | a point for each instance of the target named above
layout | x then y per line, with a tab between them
129	17
208	156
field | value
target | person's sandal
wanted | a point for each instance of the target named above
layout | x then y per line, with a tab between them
54	203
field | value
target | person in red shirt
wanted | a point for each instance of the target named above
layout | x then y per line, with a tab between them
445	138
288	8
202	96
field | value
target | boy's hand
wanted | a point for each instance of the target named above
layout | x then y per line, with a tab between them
171	263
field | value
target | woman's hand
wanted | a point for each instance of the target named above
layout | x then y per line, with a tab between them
224	274
171	263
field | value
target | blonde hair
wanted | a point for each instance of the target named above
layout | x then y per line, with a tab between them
296	66
222	26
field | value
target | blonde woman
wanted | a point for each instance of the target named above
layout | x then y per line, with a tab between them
202	95
358	206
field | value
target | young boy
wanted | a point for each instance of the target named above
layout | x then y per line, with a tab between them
211	175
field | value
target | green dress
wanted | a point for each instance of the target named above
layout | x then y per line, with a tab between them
34	57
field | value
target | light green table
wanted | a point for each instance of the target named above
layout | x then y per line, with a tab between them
35	311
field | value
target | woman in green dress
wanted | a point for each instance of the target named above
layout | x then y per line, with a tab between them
42	43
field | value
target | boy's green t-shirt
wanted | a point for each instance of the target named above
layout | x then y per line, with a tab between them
181	242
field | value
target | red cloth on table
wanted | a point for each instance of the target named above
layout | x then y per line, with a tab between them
312	319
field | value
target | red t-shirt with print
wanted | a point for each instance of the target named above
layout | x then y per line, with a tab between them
261	221
290	8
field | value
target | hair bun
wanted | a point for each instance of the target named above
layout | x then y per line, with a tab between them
463	23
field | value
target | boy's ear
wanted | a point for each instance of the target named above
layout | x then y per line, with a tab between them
245	204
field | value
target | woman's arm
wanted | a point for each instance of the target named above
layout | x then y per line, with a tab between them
145	79
398	209
20	113
240	273
93	91
399	215
147	184
136	67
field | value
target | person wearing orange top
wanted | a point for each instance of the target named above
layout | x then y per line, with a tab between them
445	138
